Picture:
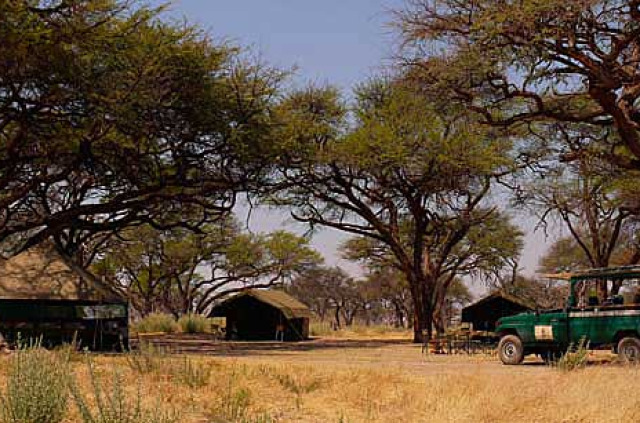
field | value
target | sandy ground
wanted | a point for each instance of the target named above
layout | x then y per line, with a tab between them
340	380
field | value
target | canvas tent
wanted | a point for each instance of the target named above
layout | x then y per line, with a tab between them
44	294
484	313
264	315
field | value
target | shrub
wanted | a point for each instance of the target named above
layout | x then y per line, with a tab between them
576	357
194	323
157	322
234	407
295	385
114	405
146	359
191	374
37	387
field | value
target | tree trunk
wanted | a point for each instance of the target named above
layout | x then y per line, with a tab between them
399	313
423	307
423	321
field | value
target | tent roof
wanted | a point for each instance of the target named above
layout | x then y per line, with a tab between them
502	294
44	273
288	305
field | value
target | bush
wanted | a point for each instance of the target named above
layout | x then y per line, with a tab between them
146	359
576	357
113	405
157	322
190	374
194	323
37	387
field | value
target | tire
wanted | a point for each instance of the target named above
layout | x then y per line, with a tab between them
629	349
510	350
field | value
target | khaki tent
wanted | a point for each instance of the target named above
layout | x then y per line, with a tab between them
44	273
43	294
264	315
484	313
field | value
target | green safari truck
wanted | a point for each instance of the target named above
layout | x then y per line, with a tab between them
603	308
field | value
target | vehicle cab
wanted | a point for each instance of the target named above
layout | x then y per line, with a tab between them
603	310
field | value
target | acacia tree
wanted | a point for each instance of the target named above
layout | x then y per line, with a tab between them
585	195
185	272
533	64
389	288
326	289
111	117
404	177
485	249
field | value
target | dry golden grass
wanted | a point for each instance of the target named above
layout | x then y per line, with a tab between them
381	382
358	331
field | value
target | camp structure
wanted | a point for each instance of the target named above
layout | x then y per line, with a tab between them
484	313
261	315
44	296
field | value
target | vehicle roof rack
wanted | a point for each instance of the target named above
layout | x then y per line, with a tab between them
617	272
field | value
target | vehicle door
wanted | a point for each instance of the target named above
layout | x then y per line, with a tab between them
551	329
590	323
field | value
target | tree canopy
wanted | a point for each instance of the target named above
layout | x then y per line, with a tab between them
111	116
402	176
181	271
562	66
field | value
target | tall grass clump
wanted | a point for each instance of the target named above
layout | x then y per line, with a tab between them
114	405
194	323
576	356
146	359
157	322
189	373
37	387
235	404
320	328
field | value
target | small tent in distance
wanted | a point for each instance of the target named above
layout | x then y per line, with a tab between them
44	295
484	314
264	315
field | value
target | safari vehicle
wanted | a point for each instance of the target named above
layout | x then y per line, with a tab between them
603	310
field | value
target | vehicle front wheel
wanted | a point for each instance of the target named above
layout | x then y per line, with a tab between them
629	349
510	350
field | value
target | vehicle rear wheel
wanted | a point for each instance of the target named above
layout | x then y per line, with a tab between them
629	349
510	350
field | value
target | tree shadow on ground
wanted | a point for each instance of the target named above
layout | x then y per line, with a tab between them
209	345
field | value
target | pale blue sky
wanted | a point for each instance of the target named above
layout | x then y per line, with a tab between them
340	42
331	41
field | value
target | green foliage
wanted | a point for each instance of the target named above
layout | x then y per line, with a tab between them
146	123
194	323
37	387
114	405
575	358
156	322
168	267
410	179
564	255
522	66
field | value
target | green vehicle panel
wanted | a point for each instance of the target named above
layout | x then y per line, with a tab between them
601	325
